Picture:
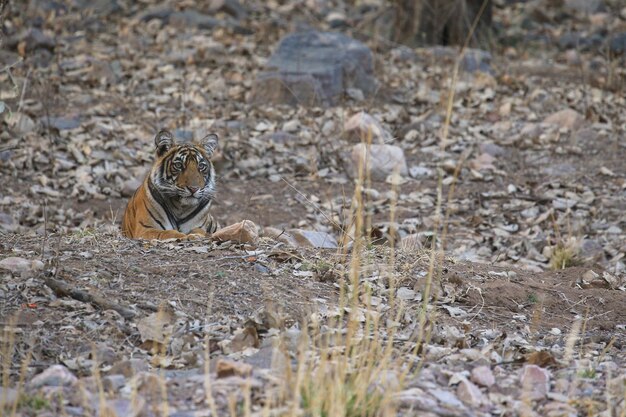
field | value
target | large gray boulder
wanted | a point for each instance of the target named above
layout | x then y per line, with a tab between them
315	69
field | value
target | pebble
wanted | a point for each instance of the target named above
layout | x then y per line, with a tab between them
535	382
483	376
54	376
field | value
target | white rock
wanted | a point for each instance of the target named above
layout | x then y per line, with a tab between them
54	376
535	382
469	393
405	293
483	376
291	126
17	265
362	127
313	239
381	160
565	118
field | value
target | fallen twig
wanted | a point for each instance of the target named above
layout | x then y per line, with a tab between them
62	288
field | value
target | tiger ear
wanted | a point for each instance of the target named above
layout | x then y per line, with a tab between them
209	142
163	142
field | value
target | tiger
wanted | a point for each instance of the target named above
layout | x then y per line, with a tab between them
174	199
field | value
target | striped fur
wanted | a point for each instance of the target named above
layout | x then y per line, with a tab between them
174	199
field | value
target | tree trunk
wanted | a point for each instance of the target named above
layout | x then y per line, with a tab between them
442	22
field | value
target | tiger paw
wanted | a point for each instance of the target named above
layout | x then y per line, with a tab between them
195	236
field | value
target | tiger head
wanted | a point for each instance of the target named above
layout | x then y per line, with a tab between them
183	172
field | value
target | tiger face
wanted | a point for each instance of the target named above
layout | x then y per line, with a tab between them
183	173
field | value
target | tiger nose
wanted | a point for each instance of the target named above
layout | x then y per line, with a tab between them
192	189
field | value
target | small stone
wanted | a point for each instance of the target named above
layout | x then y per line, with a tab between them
420	172
446	397
405	293
555	331
54	376
355	94
476	60
125	407
563	203
567	118
21	123
364	128
242	232
113	383
226	368
18	266
469	393
291	126
129	367
535	382
281	236
8	397
381	160
63	123
313	239
483	376
492	149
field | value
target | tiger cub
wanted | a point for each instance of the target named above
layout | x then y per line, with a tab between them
174	199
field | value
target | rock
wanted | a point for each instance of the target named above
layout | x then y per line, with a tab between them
592	251
98	7
492	149
315	69
381	160
583	6
125	407
7	222
54	376
21	123
159	12
279	137
31	39
580	41
483	376
244	338
231	7
129	367
242	232
280	235
193	18
225	368
313	239
446	398
63	123
355	94
617	44
568	118
8	397
113	383
21	266
364	128
535	382
420	172
476	60
483	162
469	393
291	126
563	203
405	293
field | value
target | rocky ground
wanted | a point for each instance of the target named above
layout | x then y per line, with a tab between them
477	270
